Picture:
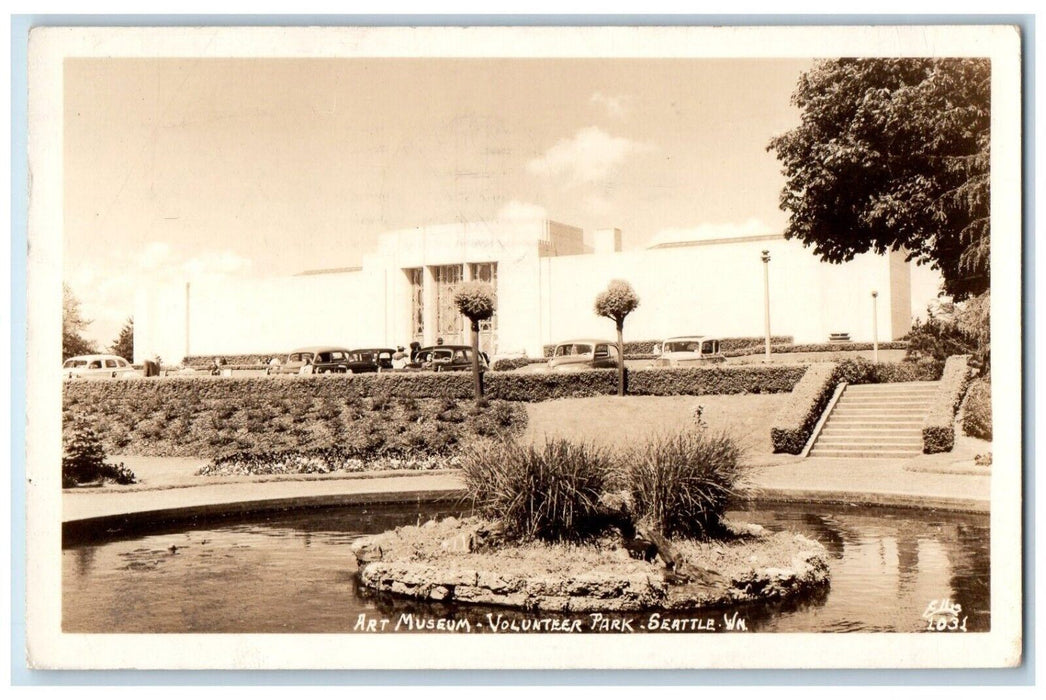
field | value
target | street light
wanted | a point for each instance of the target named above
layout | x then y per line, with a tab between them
766	299
875	326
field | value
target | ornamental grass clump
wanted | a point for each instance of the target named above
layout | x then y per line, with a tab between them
681	484
550	492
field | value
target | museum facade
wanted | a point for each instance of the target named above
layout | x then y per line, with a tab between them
546	279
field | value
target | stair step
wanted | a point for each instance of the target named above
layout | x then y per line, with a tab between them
863	432
867	454
869	444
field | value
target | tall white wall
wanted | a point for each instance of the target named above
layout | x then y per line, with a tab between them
718	290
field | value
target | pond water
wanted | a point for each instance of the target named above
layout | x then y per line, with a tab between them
293	572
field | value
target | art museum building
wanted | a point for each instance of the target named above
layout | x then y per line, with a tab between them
546	279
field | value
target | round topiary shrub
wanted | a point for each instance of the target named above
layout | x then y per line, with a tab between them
977	410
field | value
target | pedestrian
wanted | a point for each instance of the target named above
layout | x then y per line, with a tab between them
399	358
415	347
439	341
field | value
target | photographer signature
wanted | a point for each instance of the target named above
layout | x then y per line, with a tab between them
943	616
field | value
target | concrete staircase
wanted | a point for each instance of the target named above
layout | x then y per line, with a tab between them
876	421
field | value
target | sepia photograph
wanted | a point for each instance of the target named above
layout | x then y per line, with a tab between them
394	347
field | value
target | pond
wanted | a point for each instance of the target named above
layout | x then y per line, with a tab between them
294	572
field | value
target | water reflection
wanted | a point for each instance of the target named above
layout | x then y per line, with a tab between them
293	572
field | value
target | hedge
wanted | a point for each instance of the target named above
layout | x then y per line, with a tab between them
646	347
977	410
813	347
939	427
795	422
511	363
860	370
717	379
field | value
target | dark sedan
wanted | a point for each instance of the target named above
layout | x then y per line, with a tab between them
446	358
370	360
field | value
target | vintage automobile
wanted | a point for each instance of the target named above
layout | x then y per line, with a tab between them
446	358
688	350
319	359
370	360
97	367
576	355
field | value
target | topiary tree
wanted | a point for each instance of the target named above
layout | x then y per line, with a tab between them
475	301
616	302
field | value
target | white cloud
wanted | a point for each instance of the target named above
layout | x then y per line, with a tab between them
708	231
615	105
154	255
521	211
587	157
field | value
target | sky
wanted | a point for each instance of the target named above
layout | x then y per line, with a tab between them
202	168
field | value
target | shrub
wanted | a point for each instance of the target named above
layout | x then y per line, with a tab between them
700	381
84	459
793	425
938	338
550	492
938	429
811	347
977	410
681	484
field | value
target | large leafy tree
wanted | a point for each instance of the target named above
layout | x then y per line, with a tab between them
892	153
124	343
73	327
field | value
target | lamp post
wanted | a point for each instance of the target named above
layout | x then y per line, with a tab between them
875	326
766	299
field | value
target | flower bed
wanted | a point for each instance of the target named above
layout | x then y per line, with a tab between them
442	561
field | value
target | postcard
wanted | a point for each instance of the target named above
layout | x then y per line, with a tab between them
392	348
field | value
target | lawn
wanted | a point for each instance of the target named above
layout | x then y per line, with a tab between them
620	422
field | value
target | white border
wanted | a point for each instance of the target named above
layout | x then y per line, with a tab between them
50	648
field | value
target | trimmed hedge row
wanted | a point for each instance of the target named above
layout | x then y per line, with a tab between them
859	370
795	422
977	410
509	386
646	347
813	347
939	427
717	379
511	363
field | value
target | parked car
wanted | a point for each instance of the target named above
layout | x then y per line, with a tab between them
446	358
321	359
97	367
688	350
370	360
576	355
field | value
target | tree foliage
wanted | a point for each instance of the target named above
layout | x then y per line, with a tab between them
475	301
893	153
616	302
73	326
124	343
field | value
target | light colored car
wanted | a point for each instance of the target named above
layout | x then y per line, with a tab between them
588	353
97	367
688	350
